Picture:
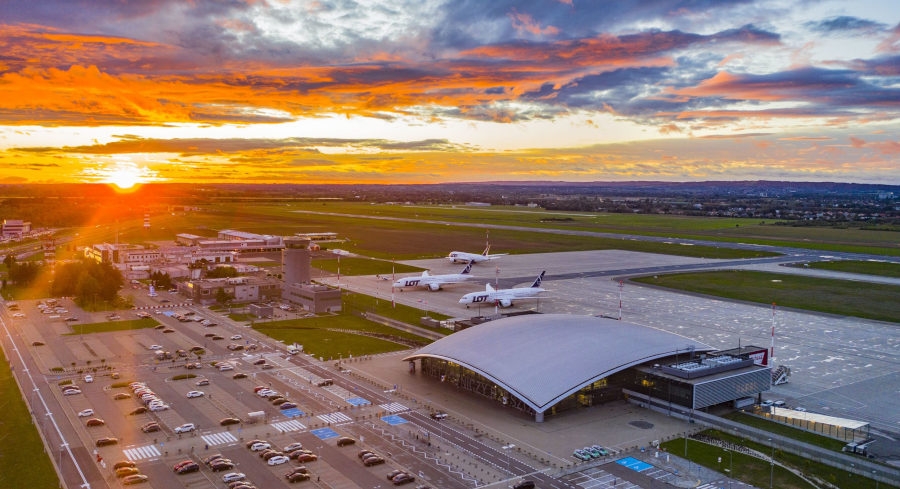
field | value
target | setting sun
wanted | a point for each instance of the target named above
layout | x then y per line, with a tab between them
124	175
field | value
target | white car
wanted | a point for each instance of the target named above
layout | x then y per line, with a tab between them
266	393
88	379
85	413
233	476
195	394
225	366
161	407
260	446
185	428
155	347
236	337
18	314
71	392
278	460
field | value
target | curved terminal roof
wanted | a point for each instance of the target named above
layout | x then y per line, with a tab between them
543	358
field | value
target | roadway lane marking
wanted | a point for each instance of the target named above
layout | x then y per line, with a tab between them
219	438
394	407
285	426
140	453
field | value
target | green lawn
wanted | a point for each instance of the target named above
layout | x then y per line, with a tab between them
788	431
857	266
27	465
362	266
839	297
332	337
113	326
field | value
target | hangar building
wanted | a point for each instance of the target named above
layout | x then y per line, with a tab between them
547	363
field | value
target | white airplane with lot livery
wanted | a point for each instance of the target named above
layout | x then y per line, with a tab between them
504	297
464	257
434	282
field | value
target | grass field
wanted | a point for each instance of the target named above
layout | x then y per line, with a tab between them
27	465
341	336
757	472
106	327
362	266
839	297
857	266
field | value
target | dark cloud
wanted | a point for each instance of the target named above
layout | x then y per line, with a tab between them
845	24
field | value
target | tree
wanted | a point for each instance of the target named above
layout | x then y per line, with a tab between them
9	261
223	297
222	272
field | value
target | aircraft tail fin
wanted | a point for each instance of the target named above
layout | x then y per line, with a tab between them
489	288
539	279
468	268
426	274
487	249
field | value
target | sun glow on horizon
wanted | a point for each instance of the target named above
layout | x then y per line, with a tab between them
123	174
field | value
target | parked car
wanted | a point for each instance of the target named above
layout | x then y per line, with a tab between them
239	375
259	446
233	476
292	447
403	478
580	455
298	477
277	460
526	484
220	465
88	378
155	347
124	463
345	440
236	337
85	413
202	382
287	405
267	366
185	428
181	464
95	422
122	395
188	468
71	392
373	460
140	410
229	421
135	479
102	442
438	415
150	427
306	457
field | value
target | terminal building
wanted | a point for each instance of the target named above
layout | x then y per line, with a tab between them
543	364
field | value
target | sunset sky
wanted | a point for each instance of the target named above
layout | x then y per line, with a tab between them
425	91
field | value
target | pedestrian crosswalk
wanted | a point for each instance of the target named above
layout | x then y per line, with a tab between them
141	453
394	407
292	425
335	418
219	438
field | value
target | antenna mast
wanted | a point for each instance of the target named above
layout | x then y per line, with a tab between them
772	346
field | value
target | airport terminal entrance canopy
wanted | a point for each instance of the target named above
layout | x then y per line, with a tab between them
544	358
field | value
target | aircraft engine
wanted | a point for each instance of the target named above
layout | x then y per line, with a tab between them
433	287
505	302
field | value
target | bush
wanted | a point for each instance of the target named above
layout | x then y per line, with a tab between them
183	376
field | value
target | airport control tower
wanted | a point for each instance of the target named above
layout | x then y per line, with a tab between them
296	261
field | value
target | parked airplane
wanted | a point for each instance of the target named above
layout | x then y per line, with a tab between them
464	257
504	297
434	282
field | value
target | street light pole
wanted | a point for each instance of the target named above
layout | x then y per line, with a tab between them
508	456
